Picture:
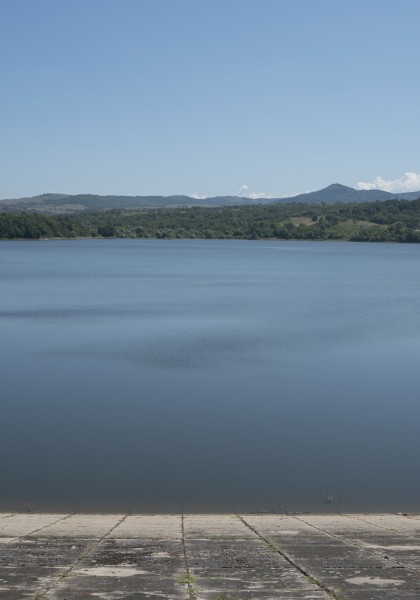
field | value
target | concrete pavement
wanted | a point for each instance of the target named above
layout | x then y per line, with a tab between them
209	557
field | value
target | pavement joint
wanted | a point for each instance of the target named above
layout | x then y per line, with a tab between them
188	578
43	594
350	541
31	533
400	531
210	557
310	578
28	535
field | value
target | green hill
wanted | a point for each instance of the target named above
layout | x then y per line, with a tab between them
55	204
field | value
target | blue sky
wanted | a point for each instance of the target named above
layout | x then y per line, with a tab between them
208	96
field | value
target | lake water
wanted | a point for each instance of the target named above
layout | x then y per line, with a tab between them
151	375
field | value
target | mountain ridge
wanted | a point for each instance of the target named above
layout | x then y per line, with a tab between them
55	203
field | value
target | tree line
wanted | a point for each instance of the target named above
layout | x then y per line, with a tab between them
390	220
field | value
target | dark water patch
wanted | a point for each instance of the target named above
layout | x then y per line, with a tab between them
183	352
57	313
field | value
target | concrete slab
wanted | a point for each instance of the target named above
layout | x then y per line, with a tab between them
129	568
209	557
149	527
330	551
89	526
25	524
245	570
399	523
215	526
27	565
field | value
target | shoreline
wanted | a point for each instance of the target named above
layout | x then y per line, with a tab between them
4	513
203	239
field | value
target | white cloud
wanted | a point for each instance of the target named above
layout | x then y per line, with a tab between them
293	194
409	182
244	193
258	195
197	196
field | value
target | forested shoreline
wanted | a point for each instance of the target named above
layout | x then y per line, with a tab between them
382	221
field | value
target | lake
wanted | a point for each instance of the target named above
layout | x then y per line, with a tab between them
157	375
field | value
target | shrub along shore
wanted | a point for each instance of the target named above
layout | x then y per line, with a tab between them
384	221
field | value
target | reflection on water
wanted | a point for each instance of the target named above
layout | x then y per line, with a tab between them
209	375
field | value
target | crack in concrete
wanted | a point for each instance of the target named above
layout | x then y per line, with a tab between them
43	593
31	533
350	542
377	552
310	578
27	535
381	527
188	579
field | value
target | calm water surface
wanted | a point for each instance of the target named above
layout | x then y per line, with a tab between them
209	375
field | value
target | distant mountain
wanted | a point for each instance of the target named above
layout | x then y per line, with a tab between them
341	193
66	203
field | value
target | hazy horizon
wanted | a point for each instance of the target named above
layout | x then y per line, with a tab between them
197	197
